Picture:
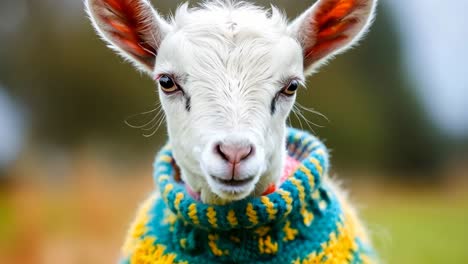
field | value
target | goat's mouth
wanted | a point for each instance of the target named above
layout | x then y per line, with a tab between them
233	182
232	189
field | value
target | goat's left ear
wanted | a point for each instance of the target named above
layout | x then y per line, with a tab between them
330	27
130	27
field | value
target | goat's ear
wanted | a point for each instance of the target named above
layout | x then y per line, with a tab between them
130	27
330	27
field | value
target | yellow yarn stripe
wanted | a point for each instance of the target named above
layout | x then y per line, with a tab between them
211	214
300	188
167	189
322	205
289	233
183	242
177	200
166	159
339	249
164	178
192	213
316	195
138	227
266	246
287	199
297	136
214	247
270	207
317	165
232	219
169	217
252	214
148	252
309	175
306	215
320	151
306	141
263	230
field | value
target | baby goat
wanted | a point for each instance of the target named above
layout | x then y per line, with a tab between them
236	185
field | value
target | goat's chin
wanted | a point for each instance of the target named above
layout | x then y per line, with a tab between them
210	197
216	193
212	191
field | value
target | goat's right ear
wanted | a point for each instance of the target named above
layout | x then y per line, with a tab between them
130	27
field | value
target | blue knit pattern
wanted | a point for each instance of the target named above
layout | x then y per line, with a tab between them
301	222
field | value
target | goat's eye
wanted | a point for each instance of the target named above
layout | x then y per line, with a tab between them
167	84
291	89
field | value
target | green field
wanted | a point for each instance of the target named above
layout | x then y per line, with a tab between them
423	230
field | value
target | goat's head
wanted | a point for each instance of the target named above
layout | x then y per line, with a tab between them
228	74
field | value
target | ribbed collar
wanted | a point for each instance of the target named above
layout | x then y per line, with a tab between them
290	197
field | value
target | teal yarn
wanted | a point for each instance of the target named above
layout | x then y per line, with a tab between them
303	221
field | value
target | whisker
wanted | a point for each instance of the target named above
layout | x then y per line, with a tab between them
157	118
141	126
297	117
308	122
310	110
128	120
313	111
161	121
153	125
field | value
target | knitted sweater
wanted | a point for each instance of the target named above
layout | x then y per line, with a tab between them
302	221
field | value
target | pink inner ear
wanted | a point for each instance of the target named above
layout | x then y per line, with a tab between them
127	21
331	23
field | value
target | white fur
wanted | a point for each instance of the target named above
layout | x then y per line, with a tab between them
231	59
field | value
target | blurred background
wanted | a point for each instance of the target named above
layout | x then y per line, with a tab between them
72	172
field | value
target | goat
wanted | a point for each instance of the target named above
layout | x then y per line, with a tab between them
227	74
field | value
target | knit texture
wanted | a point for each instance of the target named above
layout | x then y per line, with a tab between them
300	222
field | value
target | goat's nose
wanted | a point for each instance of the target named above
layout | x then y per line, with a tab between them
234	153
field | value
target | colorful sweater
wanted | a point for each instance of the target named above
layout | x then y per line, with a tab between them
301	222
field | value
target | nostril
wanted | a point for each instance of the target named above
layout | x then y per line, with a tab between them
245	152
234	153
220	152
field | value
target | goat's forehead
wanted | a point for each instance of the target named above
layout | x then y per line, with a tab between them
246	54
250	57
221	43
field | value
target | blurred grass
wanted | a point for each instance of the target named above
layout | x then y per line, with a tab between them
426	230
